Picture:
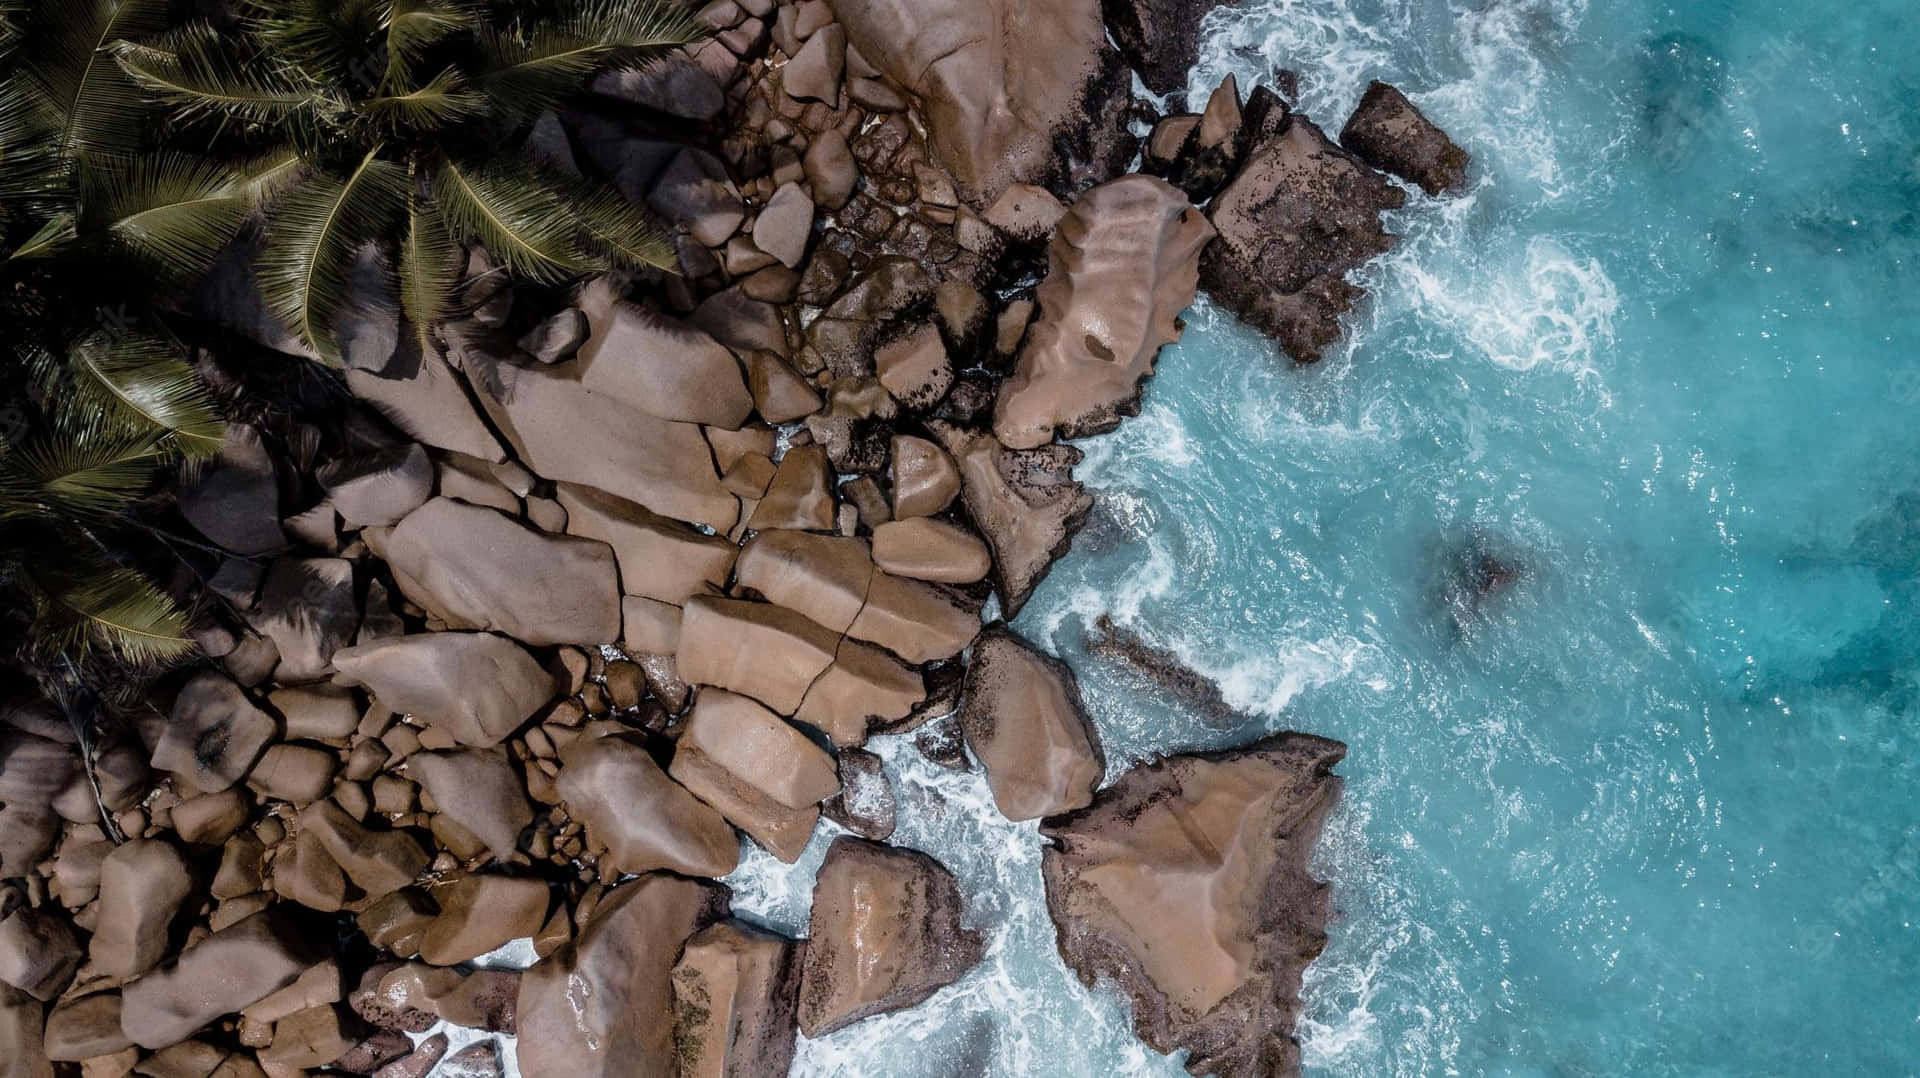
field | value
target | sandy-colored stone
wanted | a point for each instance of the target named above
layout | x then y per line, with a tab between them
735	990
476	686
226	972
659	558
1025	503
927	549
142	886
1023	719
480	913
661	367
642	818
801	494
757	649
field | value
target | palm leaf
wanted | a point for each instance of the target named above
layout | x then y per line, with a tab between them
413	26
532	65
31	167
513	214
429	270
313	238
173	213
82	469
54	236
201	73
119	611
98	105
444	100
329	42
616	229
141	377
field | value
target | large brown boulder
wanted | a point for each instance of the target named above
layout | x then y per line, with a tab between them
1121	267
757	649
22	1053
659	558
886	932
1185	883
1021	714
214	735
997	81
760	773
477	568
228	971
479	790
422	395
307	608
661	367
478	687
142	885
602	1006
643	819
659	463
234	499
1160	38
1024	501
833	581
1301	213
735	990
1392	135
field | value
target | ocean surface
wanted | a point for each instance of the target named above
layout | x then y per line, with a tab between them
1653	807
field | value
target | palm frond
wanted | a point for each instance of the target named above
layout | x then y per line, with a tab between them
413	26
529	66
172	213
119	611
429	270
201	73
52	237
85	468
100	108
313	239
515	215
444	100
141	377
616	229
329	42
31	167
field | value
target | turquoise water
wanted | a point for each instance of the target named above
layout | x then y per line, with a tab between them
1651	810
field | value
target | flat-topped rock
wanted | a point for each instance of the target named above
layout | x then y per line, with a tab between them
756	649
757	771
38	952
801	494
1121	266
1388	132
824	577
380	487
476	686
865	688
378	861
570	433
480	790
659	558
423	395
602	1005
1185	883
214	735
924	548
1025	503
477	568
735	990
226	972
661	367
886	932
481	913
1021	713
1300	215
643	819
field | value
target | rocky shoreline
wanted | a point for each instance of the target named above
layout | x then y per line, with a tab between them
521	640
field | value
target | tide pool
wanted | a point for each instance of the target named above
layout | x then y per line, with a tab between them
1651	809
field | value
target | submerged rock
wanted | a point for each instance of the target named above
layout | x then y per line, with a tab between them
1121	267
1165	668
1185	884
1301	213
886	932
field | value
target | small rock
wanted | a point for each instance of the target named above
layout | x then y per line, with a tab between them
801	494
780	395
784	225
1389	133
865	804
814	73
300	773
379	488
1023	719
1025	212
735	989
378	862
481	913
318	712
83	1028
831	170
915	368
38	952
925	479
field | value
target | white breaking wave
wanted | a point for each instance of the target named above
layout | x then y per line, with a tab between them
1551	308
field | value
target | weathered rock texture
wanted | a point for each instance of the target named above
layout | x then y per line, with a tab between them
1300	215
1121	267
1185	883
602	1005
1021	713
1025	503
1389	133
997	81
886	932
735	989
1160	38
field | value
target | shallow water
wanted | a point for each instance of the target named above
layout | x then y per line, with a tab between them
1650	810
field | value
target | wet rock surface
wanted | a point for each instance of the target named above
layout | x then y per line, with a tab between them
1021	713
1185	883
887	931
1388	132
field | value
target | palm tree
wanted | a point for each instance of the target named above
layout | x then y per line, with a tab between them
94	221
382	124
